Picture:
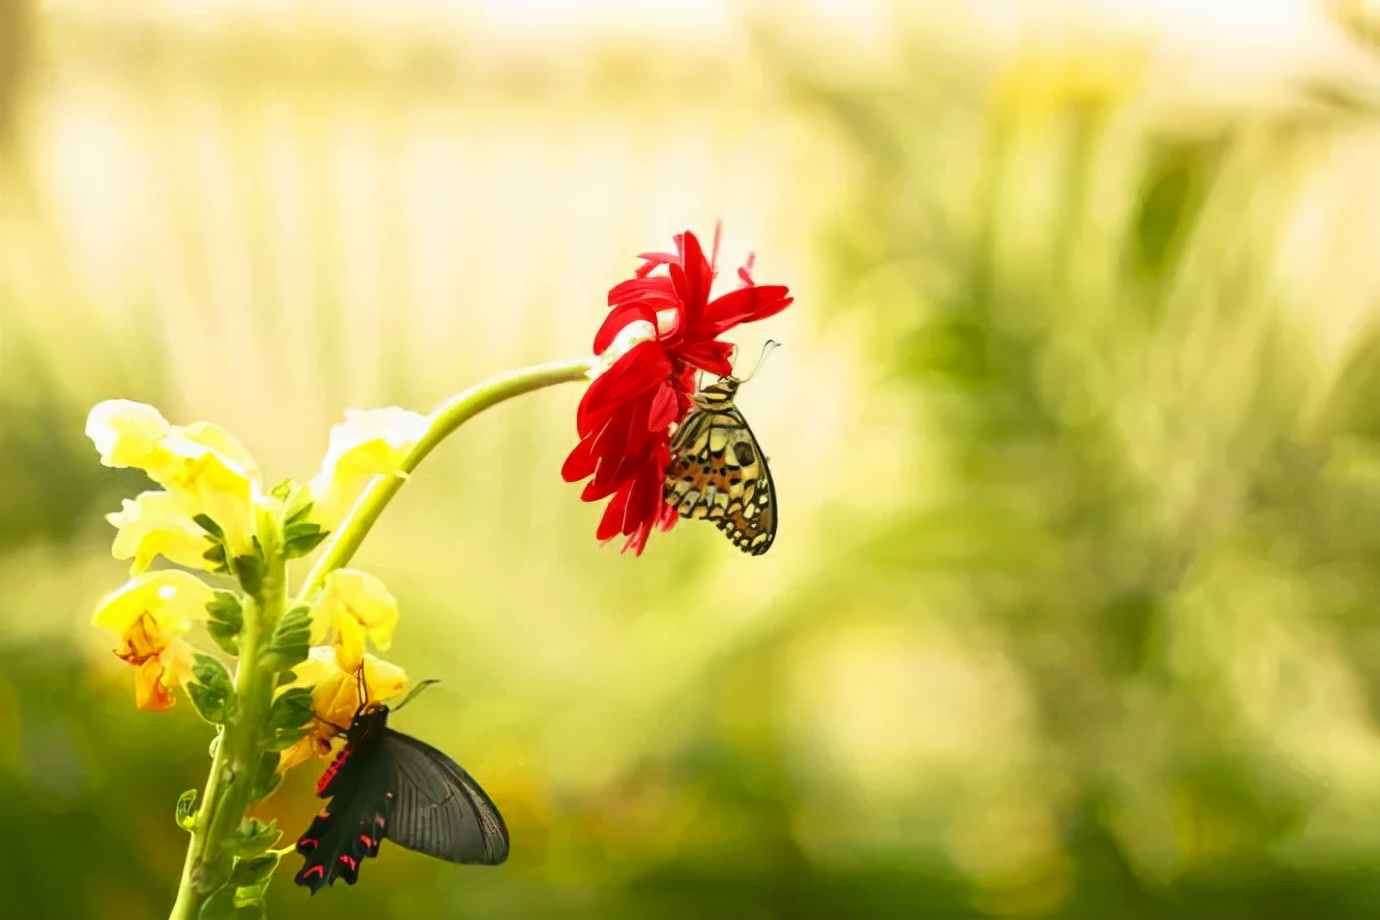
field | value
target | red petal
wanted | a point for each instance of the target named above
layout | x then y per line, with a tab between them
654	260
635	436
619	318
692	281
611	524
658	292
580	463
745	272
745	305
711	355
664	411
644	367
613	446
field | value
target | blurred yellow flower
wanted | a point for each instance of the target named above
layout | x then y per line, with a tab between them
369	443
207	470
150	614
157	524
1047	79
335	698
353	606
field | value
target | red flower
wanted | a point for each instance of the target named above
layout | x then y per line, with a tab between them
626	416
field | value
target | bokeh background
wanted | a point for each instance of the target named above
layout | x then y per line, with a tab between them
1075	610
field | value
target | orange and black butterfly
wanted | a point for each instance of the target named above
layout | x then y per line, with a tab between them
718	471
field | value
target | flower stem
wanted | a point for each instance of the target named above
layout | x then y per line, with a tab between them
235	766
447	417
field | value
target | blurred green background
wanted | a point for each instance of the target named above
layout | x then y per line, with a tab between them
1075	610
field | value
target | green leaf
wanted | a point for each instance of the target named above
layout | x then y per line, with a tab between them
252	837
286	720
220	905
226	612
292	709
254	871
242	897
283	489
216	555
298	505
226	904
249	569
211	527
211	691
290	641
301	538
267	779
185	802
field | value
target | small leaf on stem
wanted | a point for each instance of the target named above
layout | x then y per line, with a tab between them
211	691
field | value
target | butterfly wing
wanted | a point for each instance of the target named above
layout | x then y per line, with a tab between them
352	824
439	809
718	472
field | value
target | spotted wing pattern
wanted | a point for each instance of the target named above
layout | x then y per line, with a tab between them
718	472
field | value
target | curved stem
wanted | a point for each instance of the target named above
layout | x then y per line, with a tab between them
447	417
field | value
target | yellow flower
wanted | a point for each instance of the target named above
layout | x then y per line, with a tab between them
150	614
157	524
126	433
369	443
353	606
207	470
335	698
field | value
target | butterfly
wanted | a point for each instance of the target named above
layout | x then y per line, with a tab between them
718	471
387	785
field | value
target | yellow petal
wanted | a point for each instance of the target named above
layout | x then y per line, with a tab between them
302	750
171	599
157	524
335	697
356	606
211	483
224	444
209	471
125	433
149	690
159	674
369	443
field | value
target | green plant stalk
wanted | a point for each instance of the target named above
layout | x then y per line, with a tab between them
235	766
237	759
450	415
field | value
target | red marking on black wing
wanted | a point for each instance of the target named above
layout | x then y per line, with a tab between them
352	824
323	785
440	810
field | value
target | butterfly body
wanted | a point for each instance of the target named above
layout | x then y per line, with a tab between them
385	785
719	473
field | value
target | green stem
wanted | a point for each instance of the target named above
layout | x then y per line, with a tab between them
235	766
450	415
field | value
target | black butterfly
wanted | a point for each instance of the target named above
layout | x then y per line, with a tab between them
388	785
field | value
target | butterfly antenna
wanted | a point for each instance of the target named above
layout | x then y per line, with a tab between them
767	347
361	688
414	691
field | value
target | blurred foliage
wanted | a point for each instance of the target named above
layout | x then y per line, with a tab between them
1074	614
